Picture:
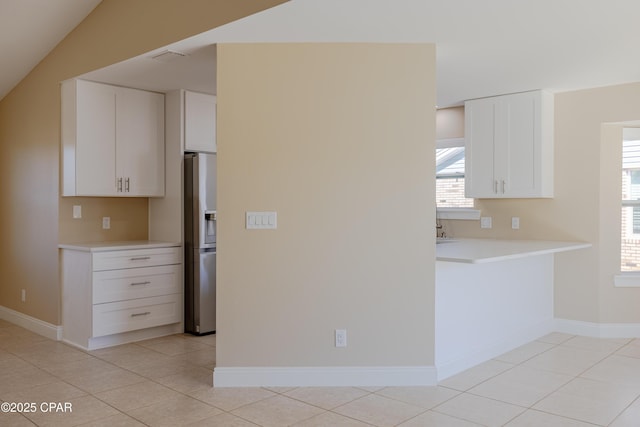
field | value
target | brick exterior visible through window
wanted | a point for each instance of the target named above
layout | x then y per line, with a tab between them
450	178
450	193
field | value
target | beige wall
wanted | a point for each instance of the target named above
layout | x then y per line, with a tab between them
33	219
339	140
586	206
450	123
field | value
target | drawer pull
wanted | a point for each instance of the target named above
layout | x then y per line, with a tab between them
139	283
139	258
140	314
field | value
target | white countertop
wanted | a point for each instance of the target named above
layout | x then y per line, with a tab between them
116	246
476	251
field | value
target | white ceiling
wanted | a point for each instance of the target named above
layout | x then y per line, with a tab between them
29	29
484	47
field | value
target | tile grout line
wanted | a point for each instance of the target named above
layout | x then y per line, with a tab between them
368	393
514	365
185	394
90	394
637	399
153	381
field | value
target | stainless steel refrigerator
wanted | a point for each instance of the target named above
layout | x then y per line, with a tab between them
200	243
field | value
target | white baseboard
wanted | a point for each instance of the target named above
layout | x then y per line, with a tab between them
598	330
97	343
32	324
133	336
325	376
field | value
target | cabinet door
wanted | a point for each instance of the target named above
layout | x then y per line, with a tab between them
95	140
200	122
518	152
131	315
480	138
133	283
140	142
509	146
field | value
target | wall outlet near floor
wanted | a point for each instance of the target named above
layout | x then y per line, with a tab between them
23	295
341	337
106	222
485	222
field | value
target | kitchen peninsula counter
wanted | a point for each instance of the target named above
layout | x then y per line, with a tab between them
477	251
492	296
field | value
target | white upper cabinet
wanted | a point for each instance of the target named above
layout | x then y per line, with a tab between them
200	122
112	141
140	142
509	146
93	144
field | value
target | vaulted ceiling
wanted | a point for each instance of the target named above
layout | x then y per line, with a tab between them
29	29
484	47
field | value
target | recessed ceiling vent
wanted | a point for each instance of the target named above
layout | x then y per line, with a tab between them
169	56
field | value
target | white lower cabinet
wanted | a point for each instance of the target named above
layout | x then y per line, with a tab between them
112	295
133	283
115	317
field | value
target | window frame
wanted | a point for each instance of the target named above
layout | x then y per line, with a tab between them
626	279
460	213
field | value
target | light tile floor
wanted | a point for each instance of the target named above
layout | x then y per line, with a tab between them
559	380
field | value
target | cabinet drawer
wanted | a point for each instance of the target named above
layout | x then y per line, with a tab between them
131	283
136	258
116	317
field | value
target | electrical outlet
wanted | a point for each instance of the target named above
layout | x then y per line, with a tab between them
23	295
106	222
515	223
77	211
341	337
485	222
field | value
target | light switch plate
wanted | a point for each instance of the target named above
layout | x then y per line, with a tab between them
261	220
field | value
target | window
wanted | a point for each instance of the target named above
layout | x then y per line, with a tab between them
630	238
450	174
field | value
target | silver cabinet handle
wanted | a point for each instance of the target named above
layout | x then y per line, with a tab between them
119	185
140	314
139	258
503	185
139	283
126	185
495	186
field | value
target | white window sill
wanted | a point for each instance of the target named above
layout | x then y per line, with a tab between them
627	280
457	213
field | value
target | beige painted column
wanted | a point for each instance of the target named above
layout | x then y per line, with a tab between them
338	139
